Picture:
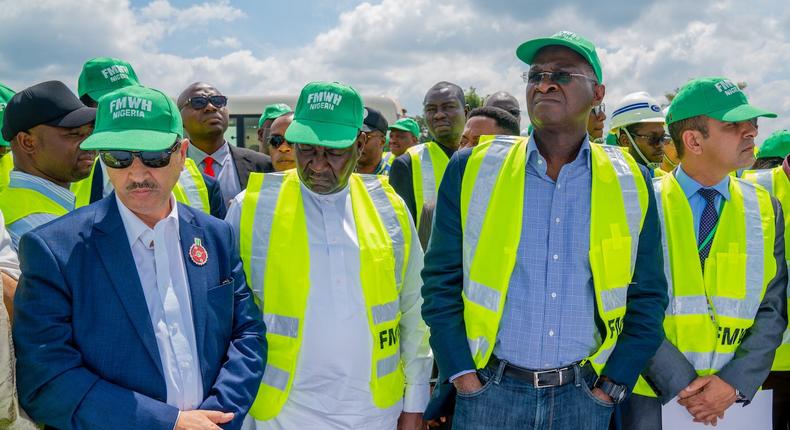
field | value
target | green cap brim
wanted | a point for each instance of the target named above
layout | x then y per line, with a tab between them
527	51
743	112
129	140
321	133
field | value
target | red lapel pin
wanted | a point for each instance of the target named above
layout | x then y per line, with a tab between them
198	253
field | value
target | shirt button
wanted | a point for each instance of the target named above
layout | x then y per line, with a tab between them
555	257
540	161
559	186
553	295
557	220
551	332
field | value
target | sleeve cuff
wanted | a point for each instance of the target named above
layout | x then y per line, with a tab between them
459	374
416	398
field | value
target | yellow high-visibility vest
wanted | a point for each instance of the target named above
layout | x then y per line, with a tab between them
428	162
273	234
492	209
709	313
778	185
190	189
17	203
6	166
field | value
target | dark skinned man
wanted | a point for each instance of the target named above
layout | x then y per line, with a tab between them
45	124
373	160
724	259
346	336
529	320
638	124
404	134
204	111
506	102
270	113
280	150
595	123
488	121
416	175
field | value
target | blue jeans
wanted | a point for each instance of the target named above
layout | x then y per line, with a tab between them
505	402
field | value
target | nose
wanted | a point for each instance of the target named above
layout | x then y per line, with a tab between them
546	84
284	147
750	129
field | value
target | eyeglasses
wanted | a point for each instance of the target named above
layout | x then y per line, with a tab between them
200	102
124	159
653	140
559	77
598	110
275	140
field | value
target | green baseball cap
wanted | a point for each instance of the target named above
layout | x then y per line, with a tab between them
407	124
527	51
135	118
776	145
715	97
327	114
5	95
273	112
102	75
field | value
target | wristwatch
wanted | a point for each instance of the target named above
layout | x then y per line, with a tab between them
739	397
616	391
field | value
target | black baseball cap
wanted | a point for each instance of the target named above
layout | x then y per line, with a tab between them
47	103
374	120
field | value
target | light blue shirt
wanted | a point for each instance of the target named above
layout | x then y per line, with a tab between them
50	190
224	169
549	315
696	201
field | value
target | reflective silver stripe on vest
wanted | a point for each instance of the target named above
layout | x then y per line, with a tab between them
428	179
688	305
603	356
478	206
391	223
385	366
264	215
385	312
275	377
187	182
281	325
708	360
633	210
665	246
766	179
478	346
755	257
614	298
786	337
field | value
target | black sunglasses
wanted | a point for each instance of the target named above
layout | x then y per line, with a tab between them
560	77
275	140
124	159
200	102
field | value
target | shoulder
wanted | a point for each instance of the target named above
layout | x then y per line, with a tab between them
203	220
255	157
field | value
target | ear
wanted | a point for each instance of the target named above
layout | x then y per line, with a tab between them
692	142
599	91
260	134
24	143
362	139
622	139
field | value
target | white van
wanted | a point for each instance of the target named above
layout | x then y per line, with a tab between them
245	111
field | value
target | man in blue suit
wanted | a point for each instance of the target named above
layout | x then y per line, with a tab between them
133	313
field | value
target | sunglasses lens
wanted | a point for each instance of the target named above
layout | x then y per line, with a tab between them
155	159
276	140
218	101
534	78
117	159
198	102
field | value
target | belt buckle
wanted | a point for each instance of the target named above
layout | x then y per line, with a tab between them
536	378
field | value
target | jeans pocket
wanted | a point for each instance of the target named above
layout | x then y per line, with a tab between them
486	378
585	386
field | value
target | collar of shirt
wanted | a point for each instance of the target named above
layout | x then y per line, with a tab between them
337	198
136	229
691	186
62	196
219	156
536	160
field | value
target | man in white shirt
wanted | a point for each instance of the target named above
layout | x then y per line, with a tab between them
341	261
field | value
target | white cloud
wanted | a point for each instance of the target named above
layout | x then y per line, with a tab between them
402	47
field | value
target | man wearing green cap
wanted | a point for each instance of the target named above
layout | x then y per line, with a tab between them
134	313
102	75
6	158
404	134
416	176
333	260
270	113
540	284
776	181
724	259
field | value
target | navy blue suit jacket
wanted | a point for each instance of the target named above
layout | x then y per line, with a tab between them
87	357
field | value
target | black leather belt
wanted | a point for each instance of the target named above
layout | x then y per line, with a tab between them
538	378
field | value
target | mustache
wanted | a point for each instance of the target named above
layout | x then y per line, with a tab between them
145	184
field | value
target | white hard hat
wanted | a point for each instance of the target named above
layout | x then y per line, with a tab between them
636	108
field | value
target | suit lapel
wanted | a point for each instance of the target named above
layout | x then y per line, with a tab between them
196	274
242	164
116	256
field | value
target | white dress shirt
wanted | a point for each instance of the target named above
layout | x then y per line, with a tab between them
331	388
160	266
9	263
224	169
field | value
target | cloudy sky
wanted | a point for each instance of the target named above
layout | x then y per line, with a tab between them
399	47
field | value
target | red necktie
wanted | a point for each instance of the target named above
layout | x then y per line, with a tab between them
209	169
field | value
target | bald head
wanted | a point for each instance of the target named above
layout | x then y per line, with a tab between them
193	89
506	102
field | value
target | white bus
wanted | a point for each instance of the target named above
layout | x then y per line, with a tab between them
246	110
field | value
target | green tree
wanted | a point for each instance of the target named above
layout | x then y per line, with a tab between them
472	98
